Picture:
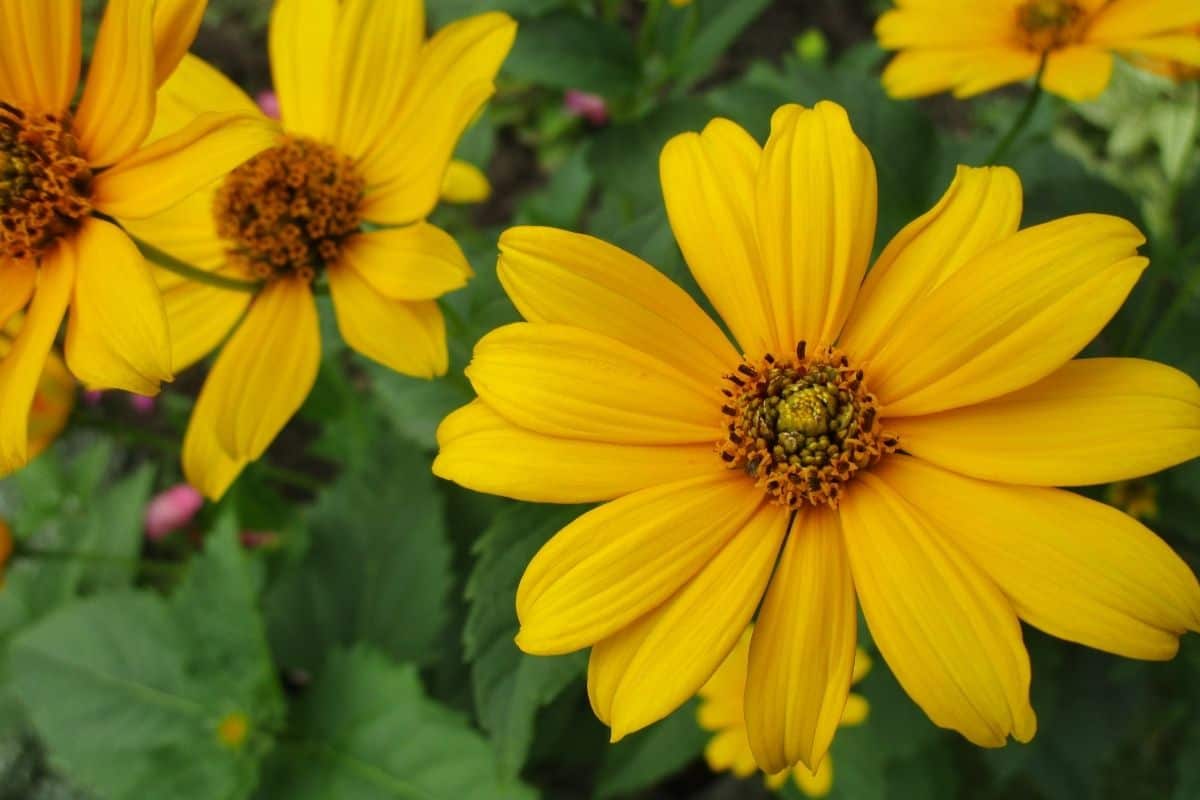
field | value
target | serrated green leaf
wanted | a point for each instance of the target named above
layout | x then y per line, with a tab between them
570	51
646	757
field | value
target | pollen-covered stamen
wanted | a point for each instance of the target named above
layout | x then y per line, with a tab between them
288	211
802	426
45	184
1050	24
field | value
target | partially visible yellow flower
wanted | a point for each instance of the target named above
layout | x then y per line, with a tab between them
66	171
371	113
972	46
233	729
681	3
1177	71
723	711
1137	498
53	400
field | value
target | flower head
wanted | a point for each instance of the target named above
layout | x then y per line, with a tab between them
340	198
970	47
888	442
66	170
53	400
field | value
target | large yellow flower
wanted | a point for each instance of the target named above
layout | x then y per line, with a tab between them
64	171
972	46
53	400
371	114
904	431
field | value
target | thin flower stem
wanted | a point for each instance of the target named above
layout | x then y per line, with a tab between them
186	270
1023	118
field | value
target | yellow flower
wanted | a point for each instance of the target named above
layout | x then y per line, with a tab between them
906	431
1177	71
64	172
971	46
722	710
371	113
233	729
53	400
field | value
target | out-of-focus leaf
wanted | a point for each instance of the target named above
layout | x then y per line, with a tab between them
570	51
650	755
443	11
561	202
721	22
624	157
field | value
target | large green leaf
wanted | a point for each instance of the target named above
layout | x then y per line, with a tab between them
646	757
570	51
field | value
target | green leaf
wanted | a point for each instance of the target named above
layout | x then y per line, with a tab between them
646	757
510	686
721	23
444	11
569	51
366	730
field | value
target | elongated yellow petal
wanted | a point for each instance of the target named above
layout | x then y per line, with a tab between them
567	278
465	183
17	281
199	318
802	650
117	107
39	54
168	170
708	181
175	25
981	207
481	450
816	202
569	382
1012	315
22	366
117	337
1093	421
1078	73
949	635
945	25
206	465
1182	48
622	560
729	750
416	262
301	45
815	784
647	670
1075	568
1125	19
917	73
407	336
194	88
856	711
722	696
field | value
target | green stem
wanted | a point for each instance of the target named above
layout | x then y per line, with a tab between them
649	25
1022	119
187	271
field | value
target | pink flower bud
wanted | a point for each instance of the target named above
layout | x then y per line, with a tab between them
142	405
591	107
172	510
268	101
92	397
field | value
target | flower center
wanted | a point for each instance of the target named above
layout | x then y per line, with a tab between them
288	211
1050	24
802	426
45	184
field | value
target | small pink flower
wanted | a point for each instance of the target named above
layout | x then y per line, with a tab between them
268	101
172	510
591	107
255	540
142	405
92	397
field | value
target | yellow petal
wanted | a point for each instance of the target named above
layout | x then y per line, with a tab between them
301	46
722	696
569	382
918	73
39	53
199	318
815	784
1094	420
454	77
567	278
729	750
1078	73
117	337
17	281
168	170
802	651
1012	315
816	221
990	69
856	711
175	25
206	465
416	262
708	183
862	665
622	560
265	370
981	207
484	452
194	88
1184	49
375	50
407	336
650	668
465	183
1075	568
117	107
949	635
945	24
1126	19
22	366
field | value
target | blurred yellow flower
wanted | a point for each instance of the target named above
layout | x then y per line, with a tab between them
972	46
1175	70
904	428
1137	498
53	400
722	710
66	171
371	113
233	730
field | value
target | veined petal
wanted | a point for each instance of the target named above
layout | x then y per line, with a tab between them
950	636
117	107
943	25
1076	568
17	282
708	183
175	25
1092	421
650	668
569	382
195	88
981	208
117	337
206	465
465	183
481	450
1078	73
407	336
22	367
1011	316
802	650
39	53
199	318
301	46
1126	19
622	560
816	202
567	278
168	170
416	262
